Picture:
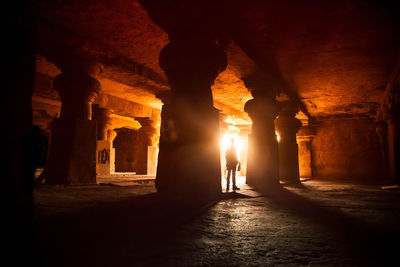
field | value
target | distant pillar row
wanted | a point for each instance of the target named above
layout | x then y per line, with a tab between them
262	163
72	156
287	126
189	158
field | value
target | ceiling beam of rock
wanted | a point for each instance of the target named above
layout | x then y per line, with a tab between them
331	58
47	104
57	45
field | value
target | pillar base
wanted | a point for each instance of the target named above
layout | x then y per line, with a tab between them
70	159
105	162
262	169
189	162
147	160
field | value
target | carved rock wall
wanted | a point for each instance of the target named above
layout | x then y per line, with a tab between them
347	149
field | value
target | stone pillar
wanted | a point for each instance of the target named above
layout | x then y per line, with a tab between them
146	152
391	115
245	130
382	132
105	162
390	112
111	134
304	140
125	145
103	121
287	126
72	158
189	158
262	162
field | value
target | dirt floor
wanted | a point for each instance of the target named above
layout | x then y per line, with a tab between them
128	224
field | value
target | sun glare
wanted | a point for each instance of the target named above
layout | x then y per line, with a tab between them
226	142
278	138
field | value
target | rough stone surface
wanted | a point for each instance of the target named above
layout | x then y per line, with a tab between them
347	149
334	56
318	224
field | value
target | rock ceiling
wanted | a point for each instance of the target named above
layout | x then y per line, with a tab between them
333	56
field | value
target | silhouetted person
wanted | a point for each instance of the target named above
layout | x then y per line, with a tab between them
231	163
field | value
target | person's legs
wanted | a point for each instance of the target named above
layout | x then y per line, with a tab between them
234	179
228	178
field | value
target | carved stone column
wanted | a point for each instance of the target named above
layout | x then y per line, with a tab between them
304	140
391	115
105	161
72	158
262	162
102	117
287	126
382	132
111	134
147	150
189	158
390	112
125	144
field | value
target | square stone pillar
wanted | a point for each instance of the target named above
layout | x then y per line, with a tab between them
105	162
126	149
142	158
148	161
304	157
147	151
304	139
72	158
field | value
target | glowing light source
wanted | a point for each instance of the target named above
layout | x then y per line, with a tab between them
226	142
277	137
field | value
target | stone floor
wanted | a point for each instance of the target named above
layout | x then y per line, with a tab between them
315	224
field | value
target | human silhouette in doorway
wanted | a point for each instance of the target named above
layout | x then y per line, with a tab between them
231	164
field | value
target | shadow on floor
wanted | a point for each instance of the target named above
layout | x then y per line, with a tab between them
141	230
136	230
366	244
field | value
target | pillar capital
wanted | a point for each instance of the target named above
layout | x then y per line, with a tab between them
77	64
286	122
261	85
101	114
111	134
102	117
71	87
261	108
148	131
77	87
191	65
263	103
